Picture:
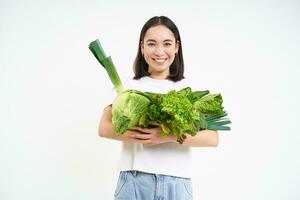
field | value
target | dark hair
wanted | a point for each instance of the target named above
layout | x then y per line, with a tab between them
140	66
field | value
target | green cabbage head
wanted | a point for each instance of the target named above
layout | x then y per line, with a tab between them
127	109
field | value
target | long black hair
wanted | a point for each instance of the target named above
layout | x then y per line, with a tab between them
140	66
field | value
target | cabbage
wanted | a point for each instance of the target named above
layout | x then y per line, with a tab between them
127	110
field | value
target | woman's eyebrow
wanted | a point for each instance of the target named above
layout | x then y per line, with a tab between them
152	40
168	40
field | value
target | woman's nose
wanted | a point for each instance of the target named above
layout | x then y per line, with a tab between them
159	50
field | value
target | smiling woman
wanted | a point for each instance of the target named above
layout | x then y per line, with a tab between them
147	157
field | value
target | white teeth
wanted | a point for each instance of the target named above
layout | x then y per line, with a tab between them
160	60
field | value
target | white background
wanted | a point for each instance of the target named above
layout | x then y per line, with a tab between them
53	91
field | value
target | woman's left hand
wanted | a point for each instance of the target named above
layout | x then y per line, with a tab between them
151	136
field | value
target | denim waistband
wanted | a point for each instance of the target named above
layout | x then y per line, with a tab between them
137	172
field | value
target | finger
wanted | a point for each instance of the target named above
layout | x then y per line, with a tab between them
141	136
142	130
145	130
135	128
141	133
132	132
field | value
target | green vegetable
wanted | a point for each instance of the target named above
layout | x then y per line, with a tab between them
210	104
174	111
107	63
187	112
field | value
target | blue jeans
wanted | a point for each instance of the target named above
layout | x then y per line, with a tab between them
136	185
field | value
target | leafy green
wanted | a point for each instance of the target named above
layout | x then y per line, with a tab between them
185	111
127	110
210	104
174	111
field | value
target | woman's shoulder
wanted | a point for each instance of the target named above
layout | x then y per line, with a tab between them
194	84
127	82
182	83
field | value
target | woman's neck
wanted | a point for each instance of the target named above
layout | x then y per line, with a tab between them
159	76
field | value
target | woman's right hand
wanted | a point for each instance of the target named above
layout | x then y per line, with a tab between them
150	136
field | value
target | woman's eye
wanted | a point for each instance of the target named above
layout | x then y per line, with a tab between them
150	44
168	44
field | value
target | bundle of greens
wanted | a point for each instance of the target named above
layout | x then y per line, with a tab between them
177	112
185	111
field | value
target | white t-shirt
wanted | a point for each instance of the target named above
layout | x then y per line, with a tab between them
168	158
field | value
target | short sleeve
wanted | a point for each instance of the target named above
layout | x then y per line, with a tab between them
128	82
182	84
109	93
107	96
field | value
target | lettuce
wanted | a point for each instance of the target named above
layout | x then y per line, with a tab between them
185	111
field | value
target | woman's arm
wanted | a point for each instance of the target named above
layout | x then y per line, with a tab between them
152	136
204	138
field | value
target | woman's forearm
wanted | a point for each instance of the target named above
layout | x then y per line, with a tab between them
106	128
204	138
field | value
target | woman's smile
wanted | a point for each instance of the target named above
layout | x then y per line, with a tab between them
159	60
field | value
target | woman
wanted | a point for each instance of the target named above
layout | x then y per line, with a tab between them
152	166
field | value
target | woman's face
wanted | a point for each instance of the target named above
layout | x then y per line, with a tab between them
159	48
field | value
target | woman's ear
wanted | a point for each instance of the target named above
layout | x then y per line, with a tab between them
177	46
142	47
